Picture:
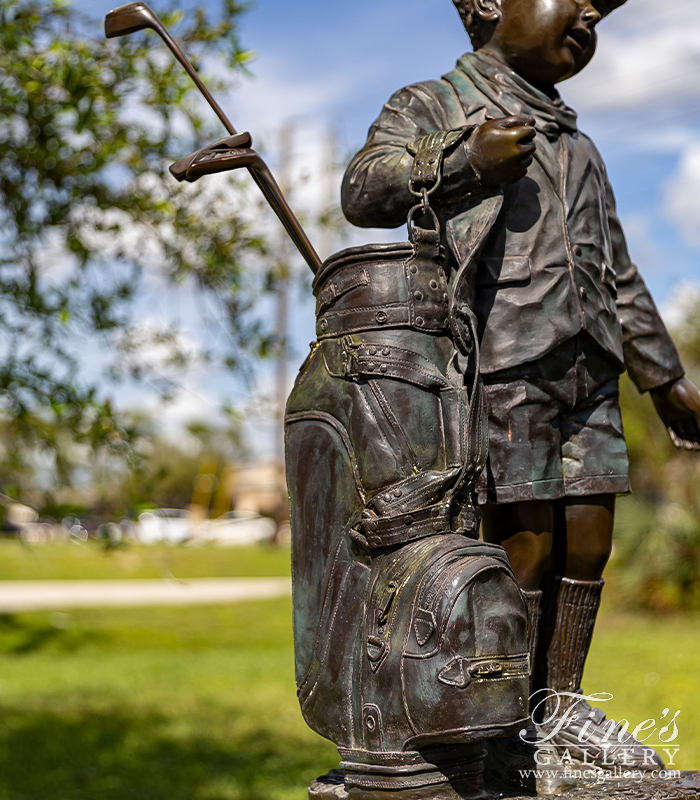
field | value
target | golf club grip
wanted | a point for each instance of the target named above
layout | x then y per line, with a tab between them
273	194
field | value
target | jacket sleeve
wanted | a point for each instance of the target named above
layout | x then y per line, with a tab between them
375	186
651	357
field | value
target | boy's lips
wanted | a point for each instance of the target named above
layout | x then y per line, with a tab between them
579	38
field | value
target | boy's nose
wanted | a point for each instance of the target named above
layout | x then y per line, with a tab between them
590	14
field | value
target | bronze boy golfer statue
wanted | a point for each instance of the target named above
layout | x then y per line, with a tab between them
561	312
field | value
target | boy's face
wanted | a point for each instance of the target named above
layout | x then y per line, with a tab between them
547	41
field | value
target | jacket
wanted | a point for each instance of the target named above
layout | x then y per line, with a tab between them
538	261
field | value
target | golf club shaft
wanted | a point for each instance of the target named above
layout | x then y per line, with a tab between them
182	58
261	175
273	194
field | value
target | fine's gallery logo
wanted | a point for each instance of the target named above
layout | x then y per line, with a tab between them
624	752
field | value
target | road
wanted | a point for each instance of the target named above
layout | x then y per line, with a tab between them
47	595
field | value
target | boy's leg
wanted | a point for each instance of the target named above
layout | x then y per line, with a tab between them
583	528
574	534
571	539
526	531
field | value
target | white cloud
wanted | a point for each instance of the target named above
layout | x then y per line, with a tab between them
682	203
649	53
640	240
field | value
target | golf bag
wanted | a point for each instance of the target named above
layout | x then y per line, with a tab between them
410	634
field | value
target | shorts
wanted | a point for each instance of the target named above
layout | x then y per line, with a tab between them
555	428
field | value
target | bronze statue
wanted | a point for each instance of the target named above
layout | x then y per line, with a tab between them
561	312
414	644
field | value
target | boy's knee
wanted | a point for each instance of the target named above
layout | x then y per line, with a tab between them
587	563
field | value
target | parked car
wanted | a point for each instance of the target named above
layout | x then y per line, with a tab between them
238	528
169	525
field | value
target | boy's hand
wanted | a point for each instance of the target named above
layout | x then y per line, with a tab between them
501	150
678	405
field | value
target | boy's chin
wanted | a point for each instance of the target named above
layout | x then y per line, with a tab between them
558	67
577	66
549	74
572	64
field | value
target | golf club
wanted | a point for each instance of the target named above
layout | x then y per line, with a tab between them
138	16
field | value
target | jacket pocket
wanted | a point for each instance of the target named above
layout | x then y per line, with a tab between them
509	269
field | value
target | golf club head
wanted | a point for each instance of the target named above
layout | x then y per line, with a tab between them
130	18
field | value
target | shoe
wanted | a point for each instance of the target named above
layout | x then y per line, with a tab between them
590	738
330	786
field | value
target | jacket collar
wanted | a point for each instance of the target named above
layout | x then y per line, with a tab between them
514	95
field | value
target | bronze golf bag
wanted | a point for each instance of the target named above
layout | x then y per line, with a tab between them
410	635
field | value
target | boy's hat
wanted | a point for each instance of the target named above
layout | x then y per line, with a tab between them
612	5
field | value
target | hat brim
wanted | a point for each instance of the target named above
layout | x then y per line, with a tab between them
612	5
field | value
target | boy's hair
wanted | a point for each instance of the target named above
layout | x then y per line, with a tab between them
479	30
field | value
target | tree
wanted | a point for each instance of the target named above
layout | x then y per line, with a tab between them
657	545
88	128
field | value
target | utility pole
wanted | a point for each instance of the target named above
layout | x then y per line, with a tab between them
329	188
286	135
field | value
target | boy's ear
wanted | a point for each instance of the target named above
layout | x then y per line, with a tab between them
488	10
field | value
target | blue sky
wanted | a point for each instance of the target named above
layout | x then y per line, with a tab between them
326	65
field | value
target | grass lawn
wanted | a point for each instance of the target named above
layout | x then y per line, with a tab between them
154	704
91	560
198	703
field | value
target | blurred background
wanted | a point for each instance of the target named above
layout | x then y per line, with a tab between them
150	333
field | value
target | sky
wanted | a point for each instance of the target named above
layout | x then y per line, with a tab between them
323	70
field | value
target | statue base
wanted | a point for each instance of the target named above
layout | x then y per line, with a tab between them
600	787
592	785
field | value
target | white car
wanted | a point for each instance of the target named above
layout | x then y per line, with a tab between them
169	525
240	527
